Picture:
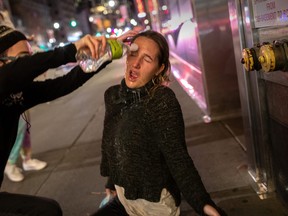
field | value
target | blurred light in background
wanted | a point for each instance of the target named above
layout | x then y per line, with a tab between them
111	3
73	23
56	25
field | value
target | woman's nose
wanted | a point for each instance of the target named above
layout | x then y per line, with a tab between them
137	62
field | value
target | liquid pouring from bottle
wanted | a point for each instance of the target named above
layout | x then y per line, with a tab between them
114	50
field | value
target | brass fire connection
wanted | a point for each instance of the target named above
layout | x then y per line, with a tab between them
267	58
250	59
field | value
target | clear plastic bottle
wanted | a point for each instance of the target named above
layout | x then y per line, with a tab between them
114	50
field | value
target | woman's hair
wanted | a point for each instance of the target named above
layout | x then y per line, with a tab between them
163	56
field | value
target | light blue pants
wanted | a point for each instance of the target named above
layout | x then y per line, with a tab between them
21	133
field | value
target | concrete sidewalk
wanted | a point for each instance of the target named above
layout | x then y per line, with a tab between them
67	134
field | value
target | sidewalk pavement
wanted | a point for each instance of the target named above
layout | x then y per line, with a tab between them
67	134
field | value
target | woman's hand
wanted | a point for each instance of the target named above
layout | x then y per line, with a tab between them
210	211
96	45
127	35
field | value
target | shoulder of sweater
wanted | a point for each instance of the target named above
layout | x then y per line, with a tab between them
164	98
111	93
112	89
165	91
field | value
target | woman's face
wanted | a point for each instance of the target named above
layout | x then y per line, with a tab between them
142	65
19	49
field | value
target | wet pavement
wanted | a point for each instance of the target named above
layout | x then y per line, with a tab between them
67	134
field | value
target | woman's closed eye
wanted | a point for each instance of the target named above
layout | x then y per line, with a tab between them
148	59
145	57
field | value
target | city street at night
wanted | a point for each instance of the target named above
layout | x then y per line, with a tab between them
229	64
67	134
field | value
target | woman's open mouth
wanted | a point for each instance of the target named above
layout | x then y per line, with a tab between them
133	76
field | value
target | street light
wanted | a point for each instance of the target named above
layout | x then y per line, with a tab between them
111	3
73	23
56	25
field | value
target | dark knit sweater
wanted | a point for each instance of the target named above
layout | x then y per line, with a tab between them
144	149
18	91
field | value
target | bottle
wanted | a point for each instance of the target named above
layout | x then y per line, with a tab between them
114	50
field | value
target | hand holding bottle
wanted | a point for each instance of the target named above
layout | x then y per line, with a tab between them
127	36
114	49
95	46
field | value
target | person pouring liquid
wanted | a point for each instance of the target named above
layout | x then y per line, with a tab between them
20	92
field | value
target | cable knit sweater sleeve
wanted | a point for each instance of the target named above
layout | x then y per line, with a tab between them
171	135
